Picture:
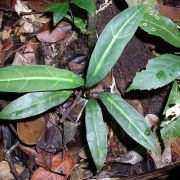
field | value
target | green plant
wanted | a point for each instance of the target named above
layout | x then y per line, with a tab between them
60	11
161	71
56	85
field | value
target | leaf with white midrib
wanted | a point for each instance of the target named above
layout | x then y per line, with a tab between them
37	78
32	104
96	133
111	43
163	27
131	121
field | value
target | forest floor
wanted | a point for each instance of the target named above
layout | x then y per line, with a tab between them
27	148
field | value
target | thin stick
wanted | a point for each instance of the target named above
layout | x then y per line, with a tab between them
76	101
18	49
11	165
155	174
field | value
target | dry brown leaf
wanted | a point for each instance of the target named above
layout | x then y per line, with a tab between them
21	7
2	155
77	173
58	33
7	44
170	12
5	170
2	54
39	6
41	19
58	166
9	4
77	68
1	17
176	147
29	55
27	27
83	154
6	34
18	59
30	131
22	38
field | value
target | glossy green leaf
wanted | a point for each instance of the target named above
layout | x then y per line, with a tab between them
171	131
37	78
88	5
111	43
96	133
152	5
129	119
159	72
79	23
161	26
32	104
136	2
173	96
59	11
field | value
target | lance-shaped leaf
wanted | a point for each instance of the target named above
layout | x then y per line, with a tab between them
171	131
37	78
96	133
59	11
32	104
136	2
111	43
159	72
88	5
161	26
173	96
129	119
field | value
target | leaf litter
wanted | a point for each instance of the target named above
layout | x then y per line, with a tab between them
53	143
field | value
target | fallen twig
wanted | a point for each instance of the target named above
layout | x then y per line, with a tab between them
11	165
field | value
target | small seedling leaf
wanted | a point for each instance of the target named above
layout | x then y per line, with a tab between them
88	5
59	11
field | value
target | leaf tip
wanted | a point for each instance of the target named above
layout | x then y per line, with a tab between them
130	88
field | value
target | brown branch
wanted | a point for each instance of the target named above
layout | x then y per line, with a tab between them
18	49
7	10
11	165
155	174
76	101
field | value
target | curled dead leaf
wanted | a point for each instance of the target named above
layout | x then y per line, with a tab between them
58	167
58	33
30	131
